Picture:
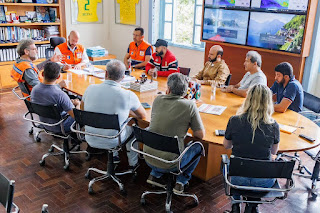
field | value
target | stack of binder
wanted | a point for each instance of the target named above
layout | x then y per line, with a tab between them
10	54
15	34
96	51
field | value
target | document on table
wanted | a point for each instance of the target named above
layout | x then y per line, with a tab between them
212	109
78	72
287	129
125	83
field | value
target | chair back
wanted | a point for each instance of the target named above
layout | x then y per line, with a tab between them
245	167
6	192
55	41
157	141
227	83
311	102
185	71
97	120
50	111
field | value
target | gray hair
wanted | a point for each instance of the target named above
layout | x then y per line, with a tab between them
254	57
24	44
115	69
178	84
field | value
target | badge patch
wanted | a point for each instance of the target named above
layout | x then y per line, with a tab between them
79	55
141	53
131	52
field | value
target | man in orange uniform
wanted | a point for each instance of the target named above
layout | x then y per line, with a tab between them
73	54
24	71
139	51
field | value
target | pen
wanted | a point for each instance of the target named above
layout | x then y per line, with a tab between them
301	127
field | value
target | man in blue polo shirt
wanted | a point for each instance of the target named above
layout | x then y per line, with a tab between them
287	91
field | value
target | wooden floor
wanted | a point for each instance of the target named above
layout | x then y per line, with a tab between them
67	191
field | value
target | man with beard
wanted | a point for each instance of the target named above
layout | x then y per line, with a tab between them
139	51
162	62
215	69
287	91
73	54
24	71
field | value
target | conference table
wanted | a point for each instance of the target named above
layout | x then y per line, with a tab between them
209	166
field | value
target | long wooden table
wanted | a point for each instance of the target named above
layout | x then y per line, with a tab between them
209	166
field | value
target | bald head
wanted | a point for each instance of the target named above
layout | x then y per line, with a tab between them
73	38
215	53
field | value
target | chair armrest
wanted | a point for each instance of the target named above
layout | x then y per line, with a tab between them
317	120
309	112
225	159
16	94
43	123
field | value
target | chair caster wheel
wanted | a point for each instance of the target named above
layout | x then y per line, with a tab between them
87	175
90	191
88	157
42	162
195	203
123	192
143	201
135	176
31	131
51	149
38	139
66	167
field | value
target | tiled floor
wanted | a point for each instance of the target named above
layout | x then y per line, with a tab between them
67	191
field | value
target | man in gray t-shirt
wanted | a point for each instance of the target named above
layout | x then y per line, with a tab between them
254	75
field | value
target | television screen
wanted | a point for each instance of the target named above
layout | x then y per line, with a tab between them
225	25
284	31
281	5
227	3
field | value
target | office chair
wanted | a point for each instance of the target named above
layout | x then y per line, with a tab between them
6	194
227	83
185	70
102	121
312	104
166	144
52	112
245	167
54	41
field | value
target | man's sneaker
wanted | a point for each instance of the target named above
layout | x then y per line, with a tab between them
116	159
156	181
134	168
178	188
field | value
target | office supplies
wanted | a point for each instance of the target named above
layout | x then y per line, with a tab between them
146	105
307	137
220	132
212	109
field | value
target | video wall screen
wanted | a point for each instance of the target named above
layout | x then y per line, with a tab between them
270	24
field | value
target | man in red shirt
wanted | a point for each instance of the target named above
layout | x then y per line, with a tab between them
162	61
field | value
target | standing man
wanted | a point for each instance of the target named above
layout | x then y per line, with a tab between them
139	51
254	75
162	62
215	69
24	71
73	54
287	91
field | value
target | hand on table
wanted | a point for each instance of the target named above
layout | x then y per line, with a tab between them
62	84
67	67
77	67
56	58
227	89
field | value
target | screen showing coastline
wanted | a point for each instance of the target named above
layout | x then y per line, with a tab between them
284	31
227	3
225	25
281	5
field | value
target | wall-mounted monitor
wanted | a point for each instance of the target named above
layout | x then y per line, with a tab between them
225	25
227	3
276	31
299	6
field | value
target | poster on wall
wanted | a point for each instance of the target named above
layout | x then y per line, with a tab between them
86	11
128	12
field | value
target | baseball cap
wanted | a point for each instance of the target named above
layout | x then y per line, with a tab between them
161	42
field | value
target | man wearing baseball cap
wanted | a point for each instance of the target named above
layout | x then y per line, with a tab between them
162	61
287	91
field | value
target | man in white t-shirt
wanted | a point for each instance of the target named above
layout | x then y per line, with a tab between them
254	75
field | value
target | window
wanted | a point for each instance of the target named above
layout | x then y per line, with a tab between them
180	22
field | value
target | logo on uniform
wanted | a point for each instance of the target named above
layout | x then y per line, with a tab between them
141	53
68	57
131	52
79	55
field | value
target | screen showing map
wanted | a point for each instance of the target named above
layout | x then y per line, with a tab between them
284	31
227	3
281	5
225	25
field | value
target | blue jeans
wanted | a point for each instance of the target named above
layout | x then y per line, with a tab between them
186	176
67	124
257	182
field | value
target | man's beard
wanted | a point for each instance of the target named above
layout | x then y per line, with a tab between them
213	60
159	54
33	58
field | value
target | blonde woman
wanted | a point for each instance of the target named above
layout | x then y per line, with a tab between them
253	133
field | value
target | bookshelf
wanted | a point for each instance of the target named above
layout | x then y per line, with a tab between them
20	10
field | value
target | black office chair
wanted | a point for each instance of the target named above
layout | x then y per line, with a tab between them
52	112
245	167
185	70
54	41
102	121
312	105
6	194
227	83
166	144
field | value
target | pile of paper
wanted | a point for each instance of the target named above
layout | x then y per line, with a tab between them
96	51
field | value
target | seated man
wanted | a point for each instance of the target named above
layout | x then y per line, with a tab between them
73	54
110	98
139	51
24	71
287	91
162	62
254	75
172	115
215	69
47	93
